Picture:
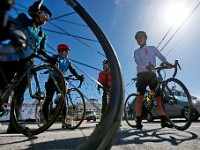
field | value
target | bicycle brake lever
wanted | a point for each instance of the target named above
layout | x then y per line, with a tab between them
179	66
80	84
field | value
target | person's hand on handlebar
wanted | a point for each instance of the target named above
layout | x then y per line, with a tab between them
81	78
50	59
168	65
150	67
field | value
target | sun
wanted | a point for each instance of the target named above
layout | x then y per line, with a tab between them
175	13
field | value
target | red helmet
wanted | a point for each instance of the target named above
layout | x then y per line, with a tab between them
62	47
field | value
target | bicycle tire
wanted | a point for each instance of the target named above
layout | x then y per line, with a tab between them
177	102
103	135
27	125
74	117
129	110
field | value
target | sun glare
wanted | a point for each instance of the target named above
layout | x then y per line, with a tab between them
175	13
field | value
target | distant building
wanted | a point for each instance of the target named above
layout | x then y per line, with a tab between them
92	104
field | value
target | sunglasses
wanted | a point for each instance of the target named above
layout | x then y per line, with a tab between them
46	15
139	37
65	49
105	65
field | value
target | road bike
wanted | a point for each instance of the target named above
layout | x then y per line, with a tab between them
176	99
34	96
103	135
73	114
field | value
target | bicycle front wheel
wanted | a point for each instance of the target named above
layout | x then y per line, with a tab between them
30	120
75	112
177	104
129	110
104	134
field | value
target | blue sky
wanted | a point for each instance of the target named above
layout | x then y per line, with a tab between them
120	20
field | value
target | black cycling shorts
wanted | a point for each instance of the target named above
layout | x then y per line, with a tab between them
145	79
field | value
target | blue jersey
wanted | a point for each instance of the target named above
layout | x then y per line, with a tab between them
34	31
63	63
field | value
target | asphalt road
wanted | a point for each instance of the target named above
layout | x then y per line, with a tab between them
152	136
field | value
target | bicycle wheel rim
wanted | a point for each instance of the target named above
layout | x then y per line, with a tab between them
74	99
23	125
102	137
129	110
178	105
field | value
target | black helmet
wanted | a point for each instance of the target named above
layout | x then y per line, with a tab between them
105	61
33	9
141	34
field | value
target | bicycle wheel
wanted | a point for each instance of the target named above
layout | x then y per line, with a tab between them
177	103
28	121
103	135
129	110
75	112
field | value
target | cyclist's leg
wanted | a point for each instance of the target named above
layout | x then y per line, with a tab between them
6	75
11	128
158	97
153	85
19	92
50	90
141	88
104	104
64	115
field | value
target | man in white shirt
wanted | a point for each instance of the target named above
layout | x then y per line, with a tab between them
144	56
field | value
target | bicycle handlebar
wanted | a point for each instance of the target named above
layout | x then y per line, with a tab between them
71	77
169	66
39	57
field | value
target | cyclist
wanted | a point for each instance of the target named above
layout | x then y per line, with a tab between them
104	79
146	76
33	28
64	64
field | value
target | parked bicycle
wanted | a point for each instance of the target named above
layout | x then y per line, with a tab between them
176	97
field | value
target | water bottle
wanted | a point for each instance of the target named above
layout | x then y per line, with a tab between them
149	97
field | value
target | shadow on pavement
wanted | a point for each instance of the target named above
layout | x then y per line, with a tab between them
158	135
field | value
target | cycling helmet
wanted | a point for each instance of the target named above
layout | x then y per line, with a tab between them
141	34
33	9
62	47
